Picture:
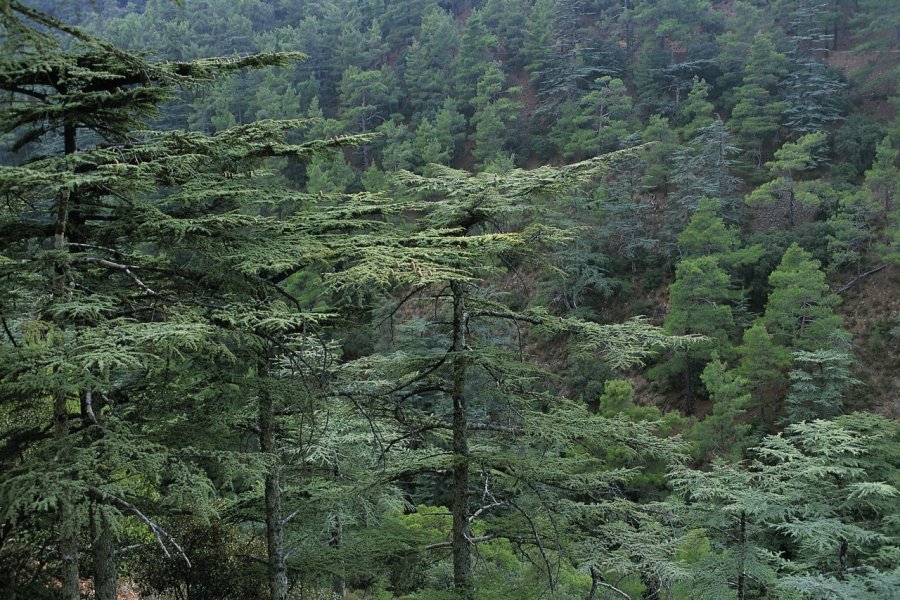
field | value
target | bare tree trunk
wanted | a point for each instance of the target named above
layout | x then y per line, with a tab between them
595	583
688	387
742	537
791	209
68	534
462	560
843	557
277	568
103	550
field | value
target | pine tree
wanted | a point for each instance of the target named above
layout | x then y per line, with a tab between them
851	230
814	494
428	75
495	114
790	160
799	313
596	123
173	253
661	153
756	116
473	378
704	169
882	179
707	235
699	305
763	364
722	433
697	111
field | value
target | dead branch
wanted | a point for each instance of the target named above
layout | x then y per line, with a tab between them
158	532
118	266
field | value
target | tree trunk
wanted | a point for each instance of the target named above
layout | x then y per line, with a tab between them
595	583
103	550
67	540
742	538
791	209
462	562
102	539
688	388
68	534
843	557
339	583
277	569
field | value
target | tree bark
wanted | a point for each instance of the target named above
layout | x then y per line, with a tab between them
742	537
791	208
462	561
843	558
688	387
595	583
67	541
103	550
276	565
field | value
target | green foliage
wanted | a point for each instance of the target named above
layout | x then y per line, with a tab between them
595	123
697	111
882	179
851	229
703	169
811	486
211	306
790	160
495	113
707	235
428	71
699	305
723	432
763	365
819	382
799	312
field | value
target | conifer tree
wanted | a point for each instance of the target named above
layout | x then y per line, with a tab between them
596	123
704	169
799	313
428	74
763	364
697	111
162	255
707	235
495	114
813	487
882	179
699	305
516	412
790	160
819	382
89	301
756	116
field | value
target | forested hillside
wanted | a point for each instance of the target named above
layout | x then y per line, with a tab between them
433	300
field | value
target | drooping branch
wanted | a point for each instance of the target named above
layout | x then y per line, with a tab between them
127	269
162	536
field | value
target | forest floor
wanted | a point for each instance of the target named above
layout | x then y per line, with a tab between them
870	313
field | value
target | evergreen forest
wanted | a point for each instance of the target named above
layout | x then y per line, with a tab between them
449	299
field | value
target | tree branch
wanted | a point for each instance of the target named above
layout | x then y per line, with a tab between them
119	266
158	532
